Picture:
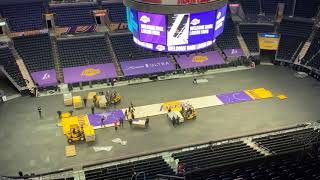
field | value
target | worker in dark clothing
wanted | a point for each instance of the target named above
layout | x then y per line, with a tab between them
59	114
85	101
147	122
40	112
92	109
102	121
126	114
121	122
130	122
174	121
20	173
195	81
115	123
94	100
178	120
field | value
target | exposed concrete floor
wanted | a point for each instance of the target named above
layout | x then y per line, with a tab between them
37	145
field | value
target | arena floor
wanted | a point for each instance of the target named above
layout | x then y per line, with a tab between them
37	145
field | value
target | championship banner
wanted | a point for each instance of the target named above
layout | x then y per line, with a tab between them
233	52
146	66
89	73
268	41
45	78
200	60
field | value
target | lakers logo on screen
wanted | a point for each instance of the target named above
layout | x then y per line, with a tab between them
199	59
90	72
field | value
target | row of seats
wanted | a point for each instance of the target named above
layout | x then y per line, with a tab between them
74	14
81	51
283	164
250	34
312	58
294	33
297	8
216	155
117	11
278	167
36	51
8	62
141	169
286	141
127	50
228	39
24	17
306	9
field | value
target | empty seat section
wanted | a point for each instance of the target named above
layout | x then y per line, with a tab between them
148	168
250	32
293	36
228	39
216	155
9	63
285	142
127	50
24	17
81	51
312	58
74	14
117	11
36	52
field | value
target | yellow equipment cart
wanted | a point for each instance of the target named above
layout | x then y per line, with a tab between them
188	112
77	128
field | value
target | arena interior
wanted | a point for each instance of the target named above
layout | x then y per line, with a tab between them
160	89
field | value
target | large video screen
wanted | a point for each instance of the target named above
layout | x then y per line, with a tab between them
177	32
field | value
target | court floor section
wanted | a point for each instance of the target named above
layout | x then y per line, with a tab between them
35	145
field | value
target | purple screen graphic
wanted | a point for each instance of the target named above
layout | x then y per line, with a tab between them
146	66
201	27
152	28
220	19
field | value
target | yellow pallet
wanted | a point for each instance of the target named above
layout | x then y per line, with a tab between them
282	97
70	150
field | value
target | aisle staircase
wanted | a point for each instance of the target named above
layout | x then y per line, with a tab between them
243	44
303	52
114	57
56	59
22	67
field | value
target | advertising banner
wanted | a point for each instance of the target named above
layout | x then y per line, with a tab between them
89	73
152	27
233	52
269	41
199	60
45	78
147	66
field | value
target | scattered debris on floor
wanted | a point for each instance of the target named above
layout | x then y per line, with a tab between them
119	141
102	148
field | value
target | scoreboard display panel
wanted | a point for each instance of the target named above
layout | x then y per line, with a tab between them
176	32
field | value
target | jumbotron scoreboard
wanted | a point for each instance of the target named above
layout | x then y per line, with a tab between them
175	25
